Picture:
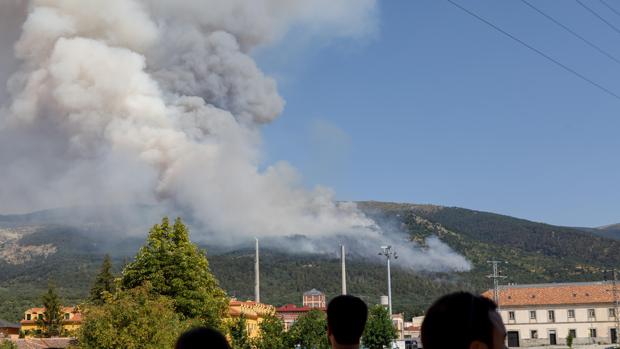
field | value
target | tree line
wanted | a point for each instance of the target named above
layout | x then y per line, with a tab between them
167	289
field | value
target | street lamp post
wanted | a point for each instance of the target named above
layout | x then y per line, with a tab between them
388	253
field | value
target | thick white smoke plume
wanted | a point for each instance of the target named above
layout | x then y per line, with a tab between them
158	101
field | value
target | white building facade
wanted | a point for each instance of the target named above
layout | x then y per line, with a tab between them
546	314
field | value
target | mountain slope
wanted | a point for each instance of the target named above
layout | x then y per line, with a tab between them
611	231
534	252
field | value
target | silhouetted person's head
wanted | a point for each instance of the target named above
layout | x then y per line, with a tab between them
202	337
462	320
346	319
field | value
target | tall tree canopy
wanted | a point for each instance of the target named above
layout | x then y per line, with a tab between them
272	334
310	331
104	282
176	268
239	336
379	331
132	319
51	323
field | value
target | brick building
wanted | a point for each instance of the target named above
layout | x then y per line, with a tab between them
314	299
290	312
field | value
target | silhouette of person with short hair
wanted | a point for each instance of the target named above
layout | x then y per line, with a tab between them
462	320
202	338
346	319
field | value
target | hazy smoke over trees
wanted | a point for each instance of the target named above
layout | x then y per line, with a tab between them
157	101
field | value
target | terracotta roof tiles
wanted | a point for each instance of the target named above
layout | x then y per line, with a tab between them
554	294
292	308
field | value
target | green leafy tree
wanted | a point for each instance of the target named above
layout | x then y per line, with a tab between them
132	319
104	282
379	331
176	268
569	340
51	323
7	344
310	331
272	334
238	331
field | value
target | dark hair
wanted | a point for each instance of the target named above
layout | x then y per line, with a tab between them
202	337
346	318
457	319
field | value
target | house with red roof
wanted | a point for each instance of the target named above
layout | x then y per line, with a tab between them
289	313
71	319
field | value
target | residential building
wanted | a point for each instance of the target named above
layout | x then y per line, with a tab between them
72	319
314	299
398	320
290	312
545	314
254	313
8	329
412	328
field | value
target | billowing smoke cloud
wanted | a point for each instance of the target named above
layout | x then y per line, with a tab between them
160	102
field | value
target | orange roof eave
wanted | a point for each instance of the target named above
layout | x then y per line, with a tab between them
550	294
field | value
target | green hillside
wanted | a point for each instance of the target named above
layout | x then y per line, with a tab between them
611	231
534	252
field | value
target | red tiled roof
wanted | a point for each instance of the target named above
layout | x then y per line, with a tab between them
238	302
64	321
41	310
42	343
292	308
554	294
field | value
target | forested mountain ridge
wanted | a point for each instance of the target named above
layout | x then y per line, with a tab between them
69	256
611	231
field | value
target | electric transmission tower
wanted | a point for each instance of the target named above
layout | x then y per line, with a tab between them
496	276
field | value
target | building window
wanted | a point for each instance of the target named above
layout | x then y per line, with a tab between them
571	313
591	314
40	316
593	332
551	315
612	312
28	317
511	315
66	316
532	314
572	333
533	334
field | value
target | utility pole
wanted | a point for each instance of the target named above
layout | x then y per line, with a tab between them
496	276
388	253
257	276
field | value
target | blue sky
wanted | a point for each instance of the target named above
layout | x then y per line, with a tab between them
436	107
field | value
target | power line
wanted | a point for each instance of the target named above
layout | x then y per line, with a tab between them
610	7
591	44
553	60
599	16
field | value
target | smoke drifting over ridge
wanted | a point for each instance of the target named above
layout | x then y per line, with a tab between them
159	101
